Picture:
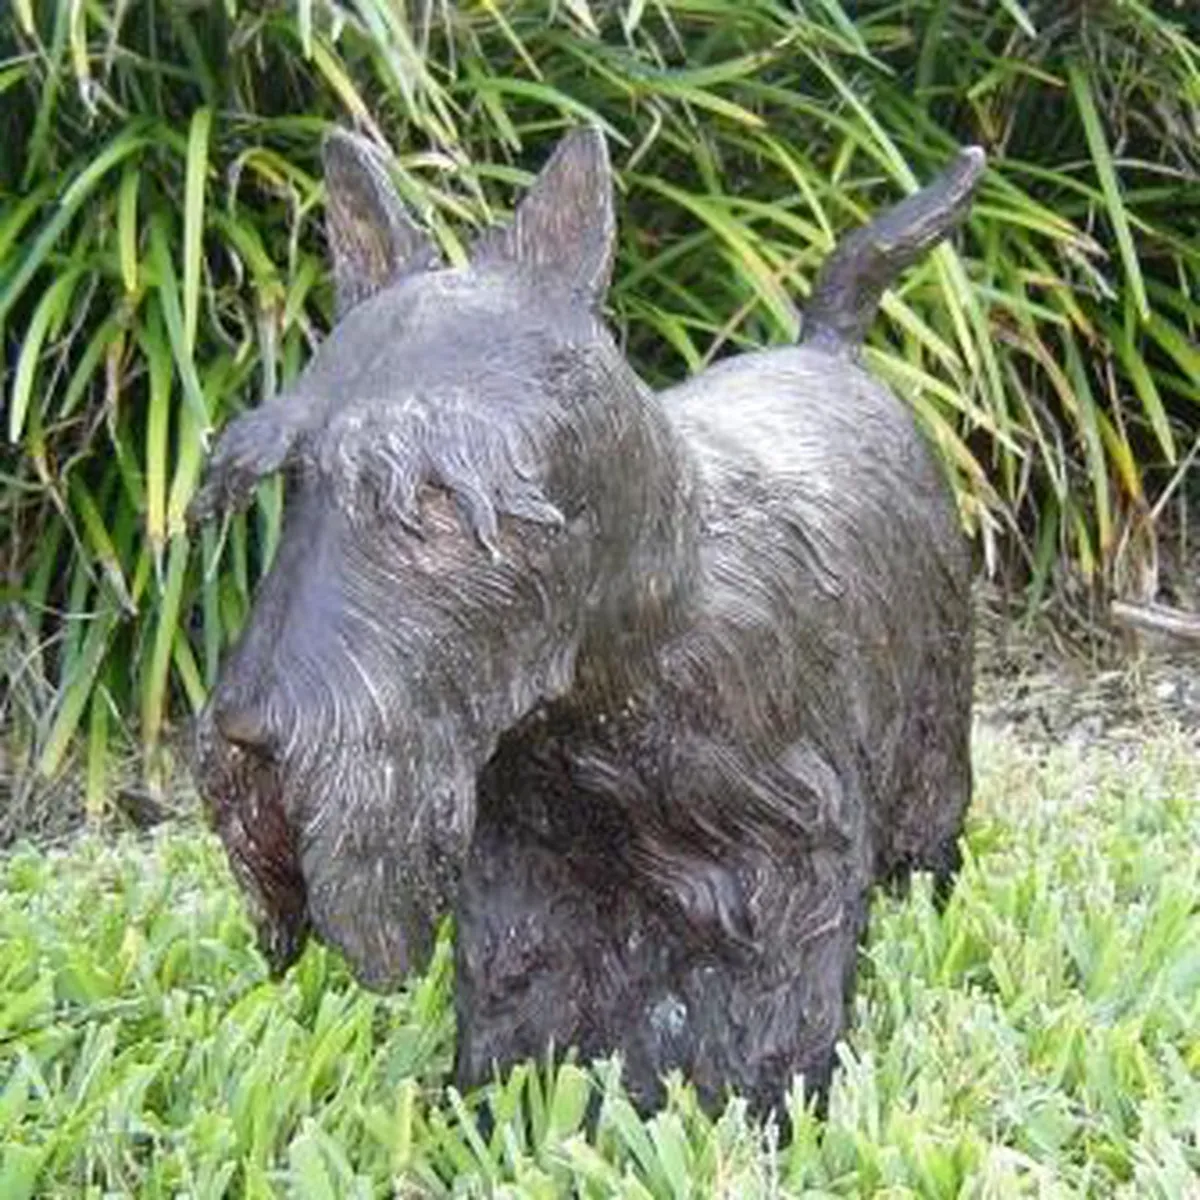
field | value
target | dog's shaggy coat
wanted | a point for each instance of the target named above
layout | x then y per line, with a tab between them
648	690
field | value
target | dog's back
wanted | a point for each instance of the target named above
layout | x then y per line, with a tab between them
832	557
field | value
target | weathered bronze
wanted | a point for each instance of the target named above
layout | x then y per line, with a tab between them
648	690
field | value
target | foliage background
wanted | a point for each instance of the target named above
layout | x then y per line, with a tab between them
161	267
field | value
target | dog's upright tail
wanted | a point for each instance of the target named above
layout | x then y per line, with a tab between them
865	263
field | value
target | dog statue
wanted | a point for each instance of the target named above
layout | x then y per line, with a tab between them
648	690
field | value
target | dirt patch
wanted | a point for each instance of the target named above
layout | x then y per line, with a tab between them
1036	686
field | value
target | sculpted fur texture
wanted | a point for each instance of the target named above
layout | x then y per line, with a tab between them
648	690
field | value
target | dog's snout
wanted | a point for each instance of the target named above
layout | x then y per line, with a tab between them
242	723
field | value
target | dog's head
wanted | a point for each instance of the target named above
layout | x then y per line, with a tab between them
471	471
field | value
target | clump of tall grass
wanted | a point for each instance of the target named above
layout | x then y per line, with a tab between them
161	265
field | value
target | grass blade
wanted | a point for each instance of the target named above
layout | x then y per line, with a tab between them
77	689
154	679
168	291
1081	89
193	221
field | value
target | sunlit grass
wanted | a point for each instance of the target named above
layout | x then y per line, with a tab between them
1038	1038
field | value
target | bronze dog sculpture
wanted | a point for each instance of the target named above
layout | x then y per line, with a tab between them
648	690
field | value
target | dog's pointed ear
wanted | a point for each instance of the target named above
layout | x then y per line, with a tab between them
564	229
372	240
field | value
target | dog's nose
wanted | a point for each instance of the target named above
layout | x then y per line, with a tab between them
243	724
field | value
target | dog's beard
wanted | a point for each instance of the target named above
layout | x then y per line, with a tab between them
244	794
381	855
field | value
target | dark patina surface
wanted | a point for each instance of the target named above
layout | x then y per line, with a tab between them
648	690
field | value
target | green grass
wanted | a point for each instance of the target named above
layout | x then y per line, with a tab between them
1040	1038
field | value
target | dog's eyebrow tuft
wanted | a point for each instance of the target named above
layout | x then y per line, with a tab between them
377	457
